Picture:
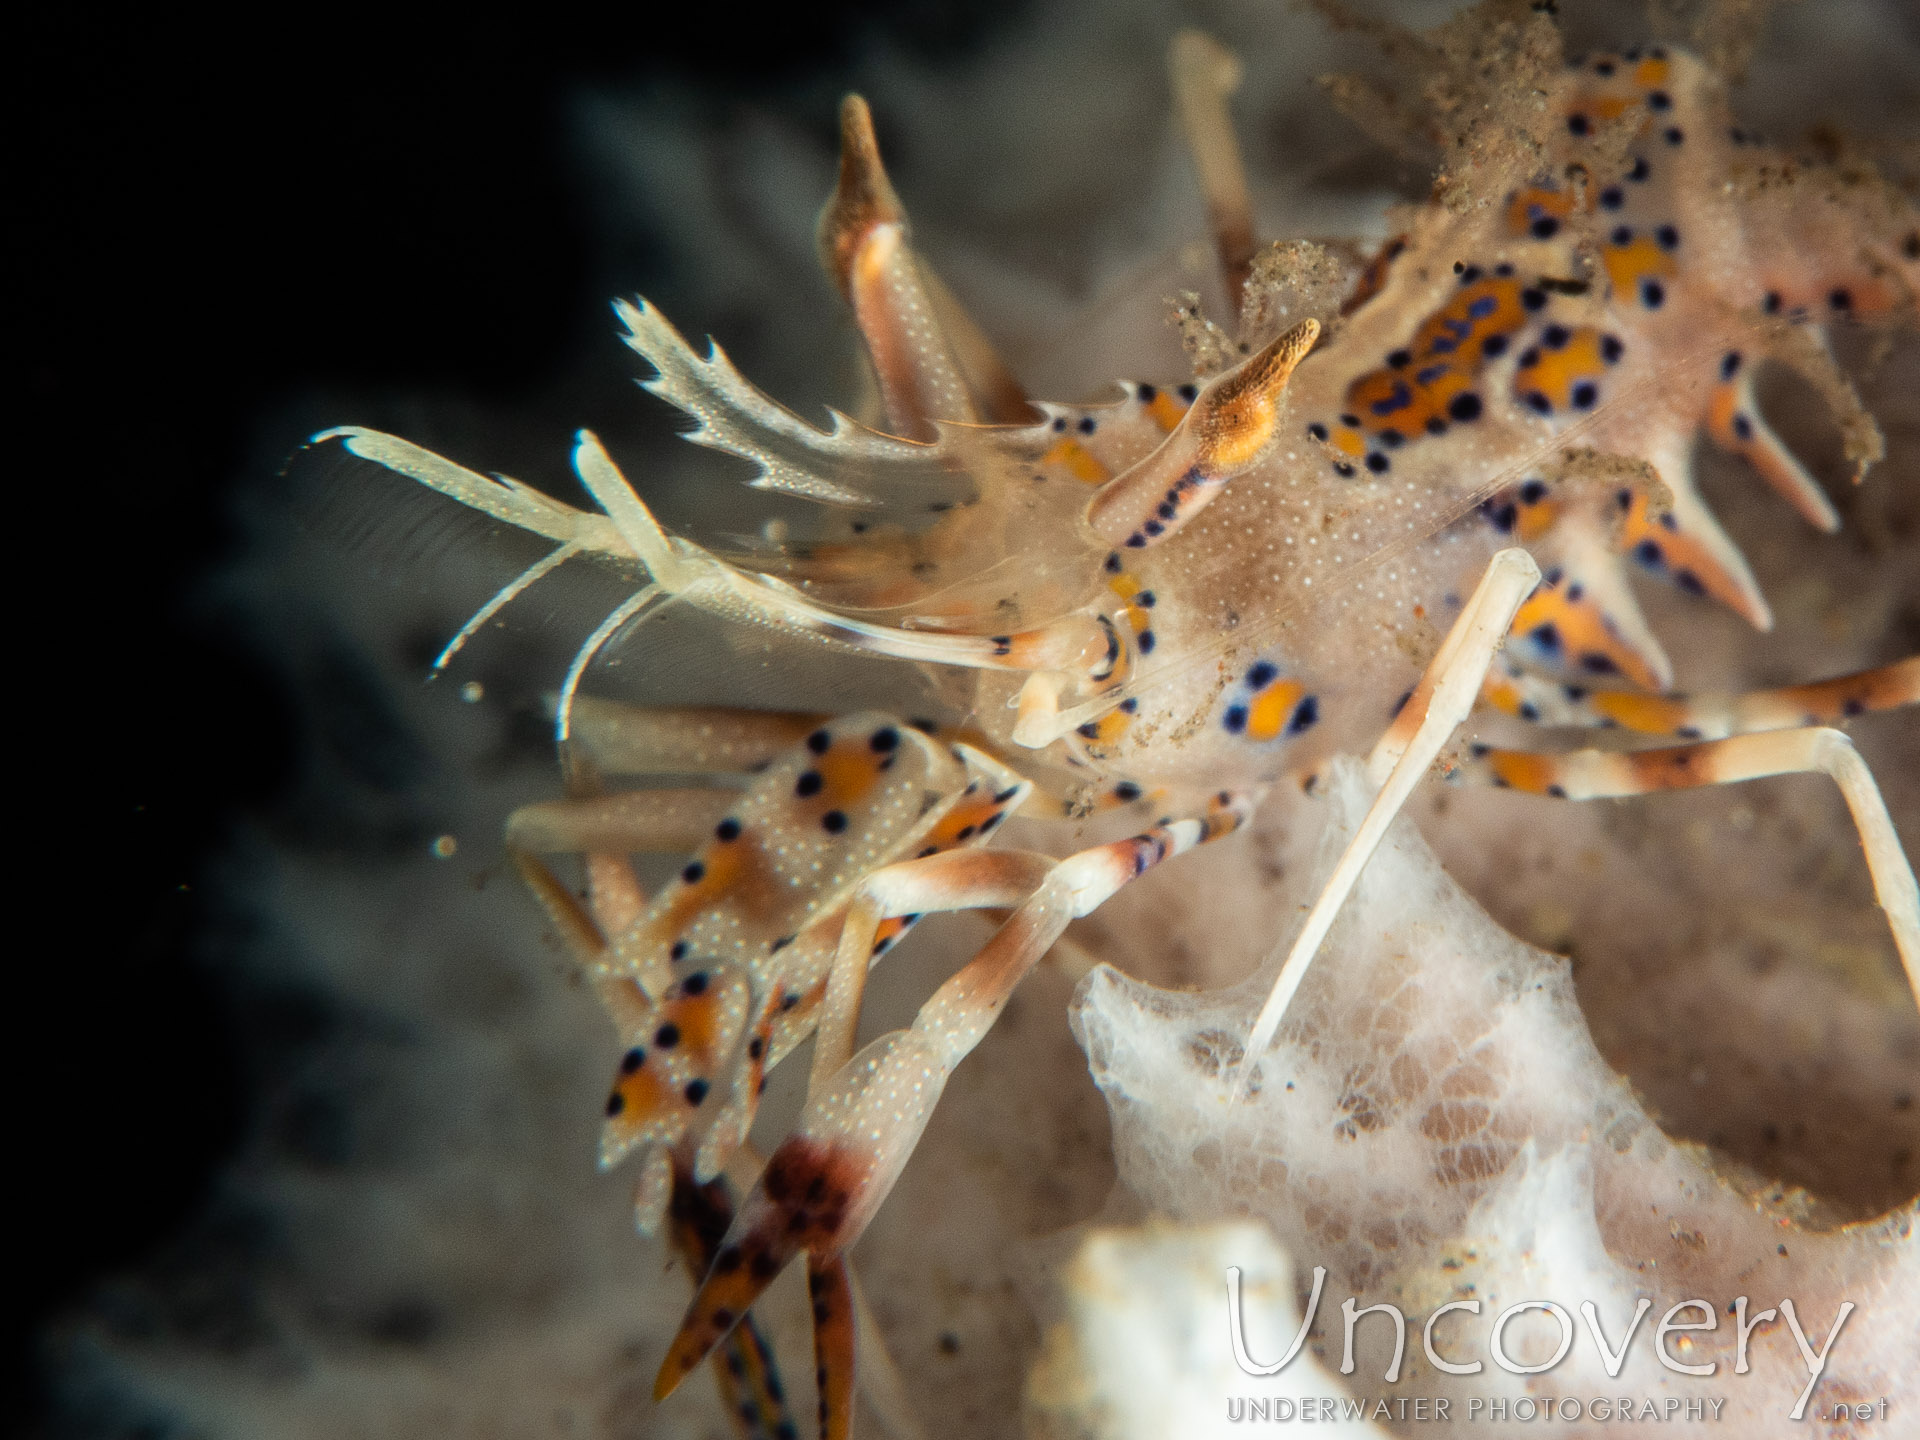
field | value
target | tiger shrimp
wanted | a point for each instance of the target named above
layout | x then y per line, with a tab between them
1351	533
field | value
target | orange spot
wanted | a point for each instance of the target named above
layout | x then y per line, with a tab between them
1502	694
1078	461
1537	203
1523	771
1447	351
1268	712
969	815
1721	409
720	868
848	771
1108	728
1458	331
1641	258
1642	714
698	1017
1559	374
643	1098
1165	410
1581	636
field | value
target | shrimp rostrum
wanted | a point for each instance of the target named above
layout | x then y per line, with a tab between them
1423	500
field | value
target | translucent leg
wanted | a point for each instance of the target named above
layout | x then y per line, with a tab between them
1443	699
1204	75
1590	774
825	1182
1705	717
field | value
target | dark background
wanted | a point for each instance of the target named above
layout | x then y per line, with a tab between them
193	273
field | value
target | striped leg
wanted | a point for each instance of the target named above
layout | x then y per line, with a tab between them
744	1368
1439	704
1704	717
827	1179
1592	774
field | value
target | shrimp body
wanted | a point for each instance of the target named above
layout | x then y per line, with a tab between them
1537	373
1185	597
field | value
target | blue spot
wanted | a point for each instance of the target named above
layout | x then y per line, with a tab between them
1398	400
1263	674
1235	719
